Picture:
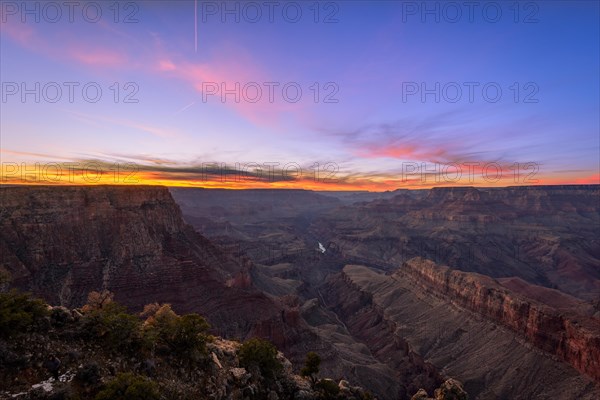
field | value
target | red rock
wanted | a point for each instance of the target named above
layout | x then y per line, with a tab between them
573	338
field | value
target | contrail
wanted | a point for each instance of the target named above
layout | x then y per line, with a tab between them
196	25
186	107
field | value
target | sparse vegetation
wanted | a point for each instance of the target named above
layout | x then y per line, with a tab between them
261	354
127	386
183	336
19	313
98	300
111	324
311	366
88	377
327	389
102	352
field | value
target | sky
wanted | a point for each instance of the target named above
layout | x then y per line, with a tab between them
327	95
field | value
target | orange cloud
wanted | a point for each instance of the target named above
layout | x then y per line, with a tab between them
152	171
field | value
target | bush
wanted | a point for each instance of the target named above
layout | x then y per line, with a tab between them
327	389
114	326
98	300
127	386
311	366
190	334
60	316
261	354
19	312
184	336
160	320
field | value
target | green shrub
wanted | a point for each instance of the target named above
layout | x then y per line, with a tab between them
190	335
19	312
311	366
127	386
327	389
60	316
112	324
261	354
183	336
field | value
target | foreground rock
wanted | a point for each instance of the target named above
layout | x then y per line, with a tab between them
63	357
449	390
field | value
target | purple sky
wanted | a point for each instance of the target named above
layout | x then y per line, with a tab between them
389	90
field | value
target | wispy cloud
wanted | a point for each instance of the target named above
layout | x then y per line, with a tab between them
140	126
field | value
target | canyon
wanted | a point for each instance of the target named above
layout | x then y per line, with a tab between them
62	243
397	291
490	359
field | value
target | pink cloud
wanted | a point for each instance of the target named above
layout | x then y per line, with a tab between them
232	69
74	48
403	151
231	66
98	57
21	33
166	65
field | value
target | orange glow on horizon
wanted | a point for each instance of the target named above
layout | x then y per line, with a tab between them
165	173
356	184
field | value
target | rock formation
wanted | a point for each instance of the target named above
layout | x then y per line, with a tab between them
491	360
63	242
573	338
545	235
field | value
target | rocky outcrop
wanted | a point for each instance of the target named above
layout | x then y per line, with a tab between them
84	366
573	338
63	242
545	235
367	323
492	361
451	389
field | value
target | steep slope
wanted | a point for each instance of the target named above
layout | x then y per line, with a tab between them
538	242
572	337
546	235
63	242
50	353
455	336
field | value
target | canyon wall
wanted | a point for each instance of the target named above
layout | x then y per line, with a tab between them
546	235
573	338
492	361
367	323
63	242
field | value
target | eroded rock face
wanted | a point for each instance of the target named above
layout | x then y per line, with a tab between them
365	321
81	367
536	241
451	389
573	338
63	242
545	235
492	361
